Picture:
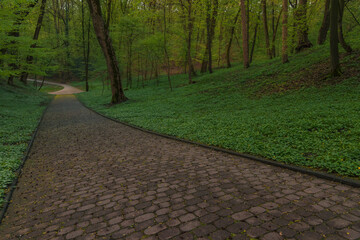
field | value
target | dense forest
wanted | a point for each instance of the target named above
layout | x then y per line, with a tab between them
142	40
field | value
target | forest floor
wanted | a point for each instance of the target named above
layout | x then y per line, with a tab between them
294	113
88	177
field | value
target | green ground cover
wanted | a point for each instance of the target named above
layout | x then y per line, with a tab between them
20	110
50	88
293	113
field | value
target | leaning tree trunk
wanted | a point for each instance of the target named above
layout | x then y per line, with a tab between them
244	27
334	40
232	31
266	30
29	59
325	24
103	37
302	27
346	46
284	54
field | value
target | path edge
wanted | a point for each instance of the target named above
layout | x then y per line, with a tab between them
18	172
328	176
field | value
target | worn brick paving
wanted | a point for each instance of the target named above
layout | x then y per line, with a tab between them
90	178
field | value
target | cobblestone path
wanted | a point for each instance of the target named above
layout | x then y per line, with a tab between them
90	178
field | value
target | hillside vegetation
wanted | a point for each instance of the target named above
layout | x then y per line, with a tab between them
20	110
293	113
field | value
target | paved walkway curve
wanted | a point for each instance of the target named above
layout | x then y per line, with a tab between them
91	178
67	89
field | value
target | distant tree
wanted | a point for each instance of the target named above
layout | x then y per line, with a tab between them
266	29
245	31
12	48
211	16
232	31
85	45
302	26
341	35
334	38
103	37
188	27
29	59
284	54
325	24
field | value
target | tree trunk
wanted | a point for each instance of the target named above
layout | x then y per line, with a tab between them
275	28
325	24
86	47
334	39
188	42
232	31
211	15
245	38
254	40
302	27
284	54
103	37
266	31
346	46
29	59
165	50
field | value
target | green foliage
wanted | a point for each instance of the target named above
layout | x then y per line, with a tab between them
20	110
312	127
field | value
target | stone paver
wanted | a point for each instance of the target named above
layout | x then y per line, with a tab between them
91	178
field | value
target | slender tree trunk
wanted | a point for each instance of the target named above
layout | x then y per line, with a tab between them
275	28
245	38
266	31
103	37
190	30
302	27
346	46
211	15
232	31
165	49
325	24
254	40
334	38
86	47
87	56
29	59
284	53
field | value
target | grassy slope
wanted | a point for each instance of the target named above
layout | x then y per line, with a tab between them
291	113
20	111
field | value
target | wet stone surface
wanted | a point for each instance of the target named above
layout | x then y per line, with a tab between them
91	178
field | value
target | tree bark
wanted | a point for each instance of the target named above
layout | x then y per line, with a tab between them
103	37
266	30
245	37
284	53
334	39
325	24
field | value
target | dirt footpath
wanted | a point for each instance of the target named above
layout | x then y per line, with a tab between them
90	178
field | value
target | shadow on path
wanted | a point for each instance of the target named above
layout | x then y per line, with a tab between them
90	178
